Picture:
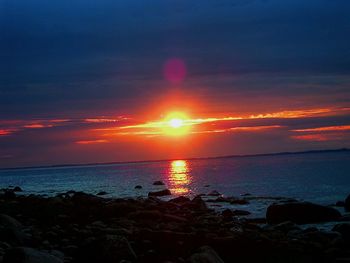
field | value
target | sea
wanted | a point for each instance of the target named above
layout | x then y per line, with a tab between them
322	178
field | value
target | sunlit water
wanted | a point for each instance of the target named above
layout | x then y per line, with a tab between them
322	178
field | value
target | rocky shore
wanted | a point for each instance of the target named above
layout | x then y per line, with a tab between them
79	227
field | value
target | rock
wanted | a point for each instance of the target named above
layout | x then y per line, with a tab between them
180	200
300	213
207	185
343	229
17	189
340	204
347	203
107	249
160	193
138	187
198	204
158	183
8	221
29	255
102	193
238	212
214	193
205	255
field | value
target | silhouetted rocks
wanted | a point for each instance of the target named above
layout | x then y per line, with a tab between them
347	203
344	230
75	227
205	255
160	193
300	213
158	183
102	193
17	189
29	255
138	187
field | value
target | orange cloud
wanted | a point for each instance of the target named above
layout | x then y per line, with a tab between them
91	141
319	137
325	129
37	126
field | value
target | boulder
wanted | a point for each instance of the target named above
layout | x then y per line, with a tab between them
205	255
343	229
8	221
107	249
17	189
300	213
347	203
158	183
180	200
160	193
138	187
198	204
29	255
102	193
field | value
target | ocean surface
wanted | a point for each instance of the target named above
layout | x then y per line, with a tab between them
318	177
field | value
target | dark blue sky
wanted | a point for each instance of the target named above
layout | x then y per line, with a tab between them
81	59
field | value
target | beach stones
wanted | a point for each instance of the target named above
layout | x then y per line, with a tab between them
158	183
300	213
138	187
8	221
205	255
29	255
107	249
347	203
160	193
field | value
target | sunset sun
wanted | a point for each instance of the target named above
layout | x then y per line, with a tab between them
175	124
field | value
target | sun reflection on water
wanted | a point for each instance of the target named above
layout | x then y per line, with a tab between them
179	177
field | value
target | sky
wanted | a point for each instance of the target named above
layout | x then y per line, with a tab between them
97	81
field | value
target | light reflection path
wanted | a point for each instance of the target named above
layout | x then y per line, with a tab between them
179	177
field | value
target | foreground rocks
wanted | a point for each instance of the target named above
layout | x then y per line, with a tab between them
77	227
301	213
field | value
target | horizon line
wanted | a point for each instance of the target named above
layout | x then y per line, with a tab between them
173	159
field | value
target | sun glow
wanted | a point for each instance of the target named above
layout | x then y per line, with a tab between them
176	124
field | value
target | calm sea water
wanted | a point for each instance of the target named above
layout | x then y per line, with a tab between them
322	177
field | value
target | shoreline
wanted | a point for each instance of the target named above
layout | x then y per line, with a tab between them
79	227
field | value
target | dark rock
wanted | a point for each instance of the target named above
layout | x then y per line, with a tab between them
8	221
207	185
107	249
138	187
158	183
29	255
238	212
160	193
300	213
9	194
102	193
198	204
205	255
347	203
343	229
14	236
214	193
180	200
340	204
17	189
227	213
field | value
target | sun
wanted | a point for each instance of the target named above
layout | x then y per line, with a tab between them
176	123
